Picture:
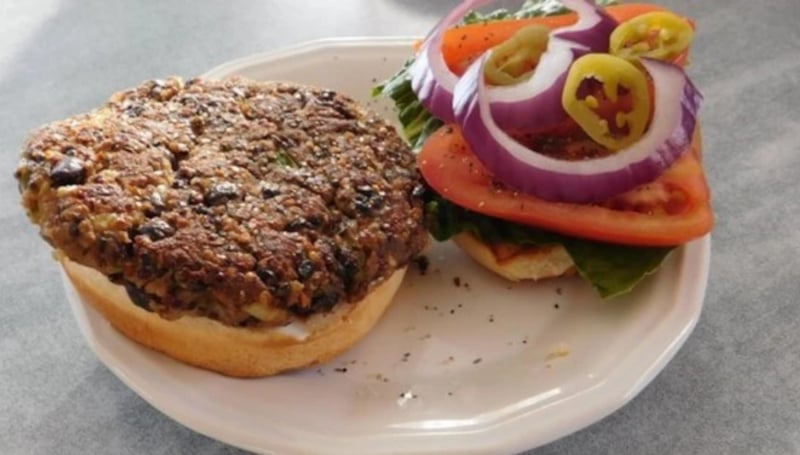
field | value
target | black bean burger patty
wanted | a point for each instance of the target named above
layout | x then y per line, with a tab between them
249	203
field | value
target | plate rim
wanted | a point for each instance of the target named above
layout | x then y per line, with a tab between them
306	46
613	396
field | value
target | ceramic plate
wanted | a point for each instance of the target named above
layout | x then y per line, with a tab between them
462	363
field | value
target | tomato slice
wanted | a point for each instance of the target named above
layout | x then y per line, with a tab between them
671	210
462	45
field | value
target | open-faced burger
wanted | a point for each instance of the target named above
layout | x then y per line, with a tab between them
558	140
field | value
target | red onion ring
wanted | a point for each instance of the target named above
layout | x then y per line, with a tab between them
593	28
535	103
431	78
668	137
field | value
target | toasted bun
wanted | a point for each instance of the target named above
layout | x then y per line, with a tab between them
517	263
240	352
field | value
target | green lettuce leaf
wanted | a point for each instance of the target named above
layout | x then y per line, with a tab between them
416	120
530	8
611	269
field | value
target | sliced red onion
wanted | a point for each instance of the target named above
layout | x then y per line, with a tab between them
535	103
431	78
593	28
668	137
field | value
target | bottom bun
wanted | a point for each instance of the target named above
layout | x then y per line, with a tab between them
232	351
518	263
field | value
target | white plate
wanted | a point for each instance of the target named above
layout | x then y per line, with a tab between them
486	367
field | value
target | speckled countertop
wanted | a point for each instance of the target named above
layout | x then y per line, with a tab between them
733	388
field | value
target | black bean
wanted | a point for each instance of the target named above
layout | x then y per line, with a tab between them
157	204
138	296
367	204
321	302
366	190
349	266
324	301
156	229
315	220
116	278
267	276
305	269
110	247
269	190
221	192
148	268
297	224
68	171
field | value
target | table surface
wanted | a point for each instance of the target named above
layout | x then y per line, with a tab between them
733	388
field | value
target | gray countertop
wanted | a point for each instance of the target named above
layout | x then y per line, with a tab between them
733	388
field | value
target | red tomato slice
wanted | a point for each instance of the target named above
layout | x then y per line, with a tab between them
463	44
671	210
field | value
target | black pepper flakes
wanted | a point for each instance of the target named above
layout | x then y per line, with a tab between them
340	370
422	263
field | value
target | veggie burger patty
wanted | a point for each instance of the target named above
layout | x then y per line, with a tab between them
249	203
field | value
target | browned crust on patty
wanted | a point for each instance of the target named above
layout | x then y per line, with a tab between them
249	203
